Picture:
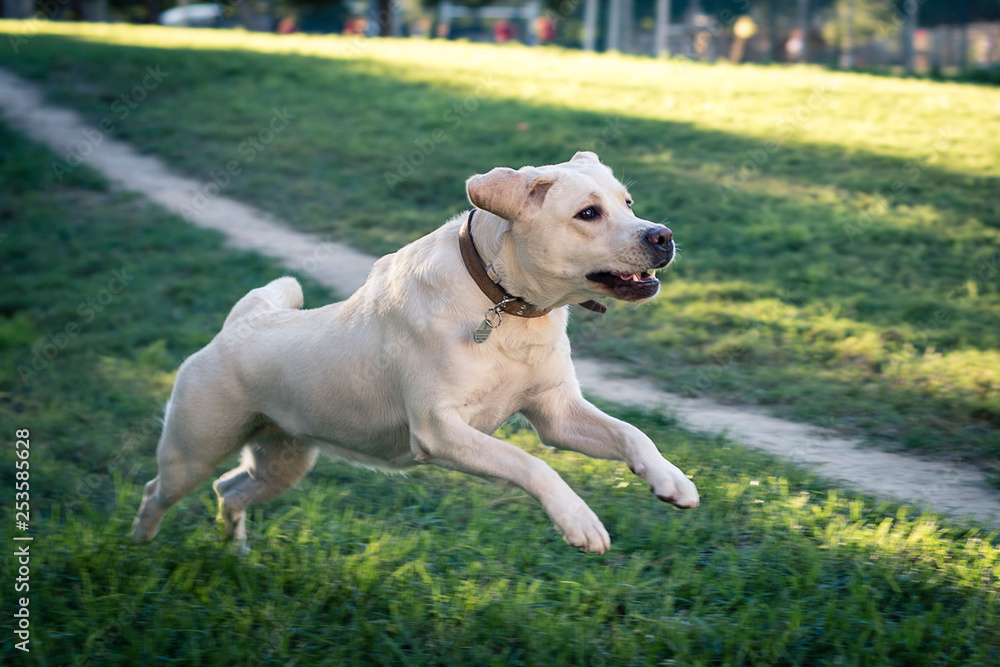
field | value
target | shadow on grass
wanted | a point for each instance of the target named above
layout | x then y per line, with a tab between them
355	123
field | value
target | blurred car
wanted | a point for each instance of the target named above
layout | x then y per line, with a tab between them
201	15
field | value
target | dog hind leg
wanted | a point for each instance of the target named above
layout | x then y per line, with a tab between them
205	422
182	465
268	467
207	417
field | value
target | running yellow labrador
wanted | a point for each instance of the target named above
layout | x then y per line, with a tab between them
449	337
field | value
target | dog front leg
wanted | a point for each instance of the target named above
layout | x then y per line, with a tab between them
565	420
451	443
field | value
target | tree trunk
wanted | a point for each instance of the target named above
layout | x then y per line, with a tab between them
661	43
802	23
249	17
908	34
152	10
628	9
534	11
381	19
590	25
737	49
963	56
847	38
614	25
18	9
773	43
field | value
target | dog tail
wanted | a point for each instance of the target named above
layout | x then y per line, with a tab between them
280	294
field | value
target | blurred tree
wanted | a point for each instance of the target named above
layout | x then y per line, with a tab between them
590	12
18	9
661	46
852	22
136	11
954	12
382	14
254	16
382	18
847	12
934	13
153	9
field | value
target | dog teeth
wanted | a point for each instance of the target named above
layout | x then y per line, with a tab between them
637	277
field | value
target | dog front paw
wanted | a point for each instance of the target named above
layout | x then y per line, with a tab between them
668	483
679	492
582	529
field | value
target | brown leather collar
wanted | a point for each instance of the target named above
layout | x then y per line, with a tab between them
501	298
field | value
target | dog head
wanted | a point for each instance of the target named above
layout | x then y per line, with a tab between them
572	234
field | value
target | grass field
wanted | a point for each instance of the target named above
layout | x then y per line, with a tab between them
839	232
357	568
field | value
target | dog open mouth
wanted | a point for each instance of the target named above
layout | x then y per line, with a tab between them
628	286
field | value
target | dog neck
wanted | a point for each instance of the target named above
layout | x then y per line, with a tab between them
488	279
485	256
488	237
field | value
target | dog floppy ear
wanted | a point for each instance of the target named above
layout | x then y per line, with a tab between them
505	192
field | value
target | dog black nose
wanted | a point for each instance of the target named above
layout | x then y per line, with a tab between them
660	236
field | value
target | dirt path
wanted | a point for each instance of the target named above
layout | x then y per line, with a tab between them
949	488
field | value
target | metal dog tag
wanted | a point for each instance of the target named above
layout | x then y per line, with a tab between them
492	320
483	332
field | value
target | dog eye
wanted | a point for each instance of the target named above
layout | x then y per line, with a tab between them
588	213
628	202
